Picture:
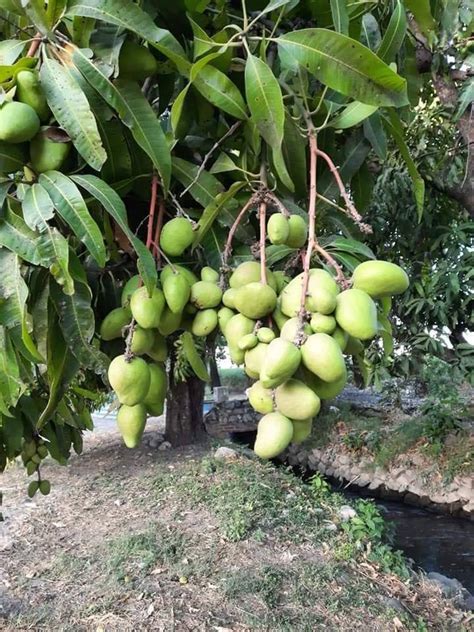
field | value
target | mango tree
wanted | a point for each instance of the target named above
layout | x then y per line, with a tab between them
176	173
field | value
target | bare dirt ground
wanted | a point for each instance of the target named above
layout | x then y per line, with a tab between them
171	540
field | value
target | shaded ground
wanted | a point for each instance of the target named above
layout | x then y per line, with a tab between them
175	540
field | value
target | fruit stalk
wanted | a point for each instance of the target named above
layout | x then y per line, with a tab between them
33	49
263	237
151	213
238	219
340	277
313	149
351	209
159	225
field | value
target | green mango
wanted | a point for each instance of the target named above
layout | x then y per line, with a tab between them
248	342
325	390
278	229
249	272
158	385
112	325
176	236
223	317
204	322
322	323
322	356
136	62
279	317
32	488
254	359
380	278
209	274
260	398
45	487
155	409
228	298
12	157
205	294
146	309
169	322
297	231
168	270
354	346
177	291
341	337
130	380
18	122
236	328
320	297
296	399
290	329
131	421
47	153
158	351
129	288
29	91
301	430
255	300
356	313
142	340
281	279
274	434
265	334
281	361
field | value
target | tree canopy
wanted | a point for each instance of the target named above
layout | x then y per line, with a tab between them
207	110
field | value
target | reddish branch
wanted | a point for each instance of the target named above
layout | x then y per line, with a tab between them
159	226
351	209
238	219
33	49
263	237
313	148
340	278
151	213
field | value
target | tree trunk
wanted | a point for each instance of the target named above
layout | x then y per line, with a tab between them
213	371
184	415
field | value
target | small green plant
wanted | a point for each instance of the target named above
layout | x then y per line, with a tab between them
443	408
319	486
367	525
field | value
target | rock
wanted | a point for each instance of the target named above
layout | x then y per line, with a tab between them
166	445
346	513
330	526
226	454
155	441
393	603
450	587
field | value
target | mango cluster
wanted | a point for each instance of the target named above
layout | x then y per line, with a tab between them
297	354
32	453
25	139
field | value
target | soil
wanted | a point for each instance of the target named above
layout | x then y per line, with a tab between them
108	551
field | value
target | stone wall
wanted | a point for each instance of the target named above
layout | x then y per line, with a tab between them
230	416
411	478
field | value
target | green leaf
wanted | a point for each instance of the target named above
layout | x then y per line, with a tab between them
370	32
421	10
76	319
177	109
277	253
394	127
352	246
53	250
129	16
352	115
119	162
219	90
10	50
126	98
223	164
340	16
17	237
69	203
294	153
37	207
13	290
345	65
204	188
62	366
72	111
375	134
274	4
394	35
35	11
265	100
281	169
211	212
11	385
112	203
193	357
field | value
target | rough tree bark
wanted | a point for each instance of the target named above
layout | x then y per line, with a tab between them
184	415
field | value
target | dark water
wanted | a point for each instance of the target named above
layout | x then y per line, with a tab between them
435	542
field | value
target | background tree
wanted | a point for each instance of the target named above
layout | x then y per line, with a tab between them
204	109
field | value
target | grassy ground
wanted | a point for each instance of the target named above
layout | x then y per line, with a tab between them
387	436
140	540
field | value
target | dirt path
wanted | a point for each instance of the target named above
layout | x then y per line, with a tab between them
170	540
